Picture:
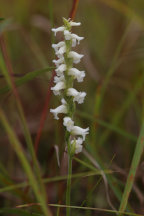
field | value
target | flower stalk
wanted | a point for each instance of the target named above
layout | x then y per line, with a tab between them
66	74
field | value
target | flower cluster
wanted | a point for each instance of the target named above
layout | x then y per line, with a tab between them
66	73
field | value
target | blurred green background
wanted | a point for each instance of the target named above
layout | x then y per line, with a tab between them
113	109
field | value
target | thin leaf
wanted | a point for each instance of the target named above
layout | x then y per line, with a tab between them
55	179
86	208
107	125
21	212
19	151
134	165
26	78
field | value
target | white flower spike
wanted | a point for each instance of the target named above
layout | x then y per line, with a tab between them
66	73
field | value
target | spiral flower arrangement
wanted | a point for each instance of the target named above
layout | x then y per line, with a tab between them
66	73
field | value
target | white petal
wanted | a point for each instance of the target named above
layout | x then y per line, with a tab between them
76	57
63	101
73	42
59	78
68	123
59	86
58	45
80	131
72	92
61	69
68	35
59	109
59	29
78	145
78	96
76	37
78	148
74	23
79	75
59	61
61	51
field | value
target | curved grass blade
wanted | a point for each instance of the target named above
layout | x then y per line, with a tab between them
19	151
109	126
135	162
55	179
7	72
85	208
26	78
118	116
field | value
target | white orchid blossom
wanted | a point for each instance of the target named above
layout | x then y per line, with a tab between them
68	123
77	145
75	38
78	131
77	96
59	29
60	109
60	69
58	61
77	74
74	23
75	56
59	86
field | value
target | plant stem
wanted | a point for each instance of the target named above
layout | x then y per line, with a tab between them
68	192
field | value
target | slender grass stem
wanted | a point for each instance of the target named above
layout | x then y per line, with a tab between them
135	161
68	192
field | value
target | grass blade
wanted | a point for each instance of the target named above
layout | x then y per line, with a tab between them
18	212
26	78
135	161
19	151
108	126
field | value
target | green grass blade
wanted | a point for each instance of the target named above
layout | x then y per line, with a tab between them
19	212
118	116
55	179
26	78
108	126
27	134
19	151
89	208
135	162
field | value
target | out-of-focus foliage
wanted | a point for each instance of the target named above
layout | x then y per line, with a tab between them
113	109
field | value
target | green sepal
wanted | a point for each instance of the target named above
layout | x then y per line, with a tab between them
66	24
73	148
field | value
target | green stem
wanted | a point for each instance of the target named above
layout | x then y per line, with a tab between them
68	192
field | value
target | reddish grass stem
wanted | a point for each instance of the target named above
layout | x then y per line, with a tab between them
74	9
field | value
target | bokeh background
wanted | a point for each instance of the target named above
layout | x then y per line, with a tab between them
113	60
